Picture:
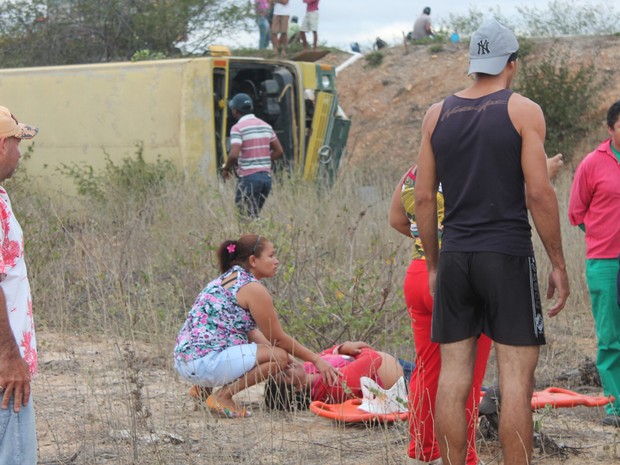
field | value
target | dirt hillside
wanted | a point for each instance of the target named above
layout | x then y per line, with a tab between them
387	103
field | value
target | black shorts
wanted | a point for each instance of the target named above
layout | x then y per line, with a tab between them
490	293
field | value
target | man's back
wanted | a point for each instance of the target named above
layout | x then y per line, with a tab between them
478	156
254	135
421	26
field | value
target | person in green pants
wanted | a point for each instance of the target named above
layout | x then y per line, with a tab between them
593	206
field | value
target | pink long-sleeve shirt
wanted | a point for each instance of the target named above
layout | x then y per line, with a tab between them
595	202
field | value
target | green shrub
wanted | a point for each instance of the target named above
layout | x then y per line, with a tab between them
374	59
134	179
436	48
567	96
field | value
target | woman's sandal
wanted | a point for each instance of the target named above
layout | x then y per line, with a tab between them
224	411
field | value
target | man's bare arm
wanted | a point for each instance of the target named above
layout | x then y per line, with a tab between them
426	194
540	195
14	371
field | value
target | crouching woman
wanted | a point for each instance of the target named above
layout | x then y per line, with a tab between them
232	337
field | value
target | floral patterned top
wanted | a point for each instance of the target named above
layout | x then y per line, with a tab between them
14	282
216	321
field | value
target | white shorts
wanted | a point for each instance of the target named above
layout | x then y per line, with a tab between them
219	368
310	22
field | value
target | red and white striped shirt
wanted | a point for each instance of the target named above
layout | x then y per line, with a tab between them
255	137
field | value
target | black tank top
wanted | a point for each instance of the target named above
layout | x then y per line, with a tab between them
478	157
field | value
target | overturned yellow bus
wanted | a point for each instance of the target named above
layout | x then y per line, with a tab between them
177	110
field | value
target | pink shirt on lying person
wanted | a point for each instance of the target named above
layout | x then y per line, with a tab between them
352	367
595	202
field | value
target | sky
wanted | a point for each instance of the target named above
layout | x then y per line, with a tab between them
342	22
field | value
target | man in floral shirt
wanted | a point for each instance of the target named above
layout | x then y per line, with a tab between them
18	353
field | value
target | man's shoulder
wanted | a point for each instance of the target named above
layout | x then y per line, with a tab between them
524	111
523	102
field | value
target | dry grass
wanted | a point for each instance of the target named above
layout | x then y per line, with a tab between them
112	286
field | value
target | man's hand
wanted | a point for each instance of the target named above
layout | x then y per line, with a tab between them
226	174
15	380
432	282
558	280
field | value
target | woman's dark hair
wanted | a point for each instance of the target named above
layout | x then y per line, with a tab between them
612	114
280	395
238	252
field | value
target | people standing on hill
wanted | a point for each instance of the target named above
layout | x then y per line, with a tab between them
485	145
261	7
279	26
18	351
232	337
310	23
253	146
422	26
594	206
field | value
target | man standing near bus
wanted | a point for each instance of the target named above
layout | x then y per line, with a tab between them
253	146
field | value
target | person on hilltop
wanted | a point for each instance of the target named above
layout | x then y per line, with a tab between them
422	26
279	26
293	31
594	207
261	7
253	146
485	146
310	23
18	348
232	337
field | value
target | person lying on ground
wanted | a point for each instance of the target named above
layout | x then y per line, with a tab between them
300	383
232	336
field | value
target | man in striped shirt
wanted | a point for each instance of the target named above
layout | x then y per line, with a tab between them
253	146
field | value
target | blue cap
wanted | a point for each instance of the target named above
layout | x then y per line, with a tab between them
241	102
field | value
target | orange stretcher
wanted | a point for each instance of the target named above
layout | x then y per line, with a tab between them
555	397
558	397
349	412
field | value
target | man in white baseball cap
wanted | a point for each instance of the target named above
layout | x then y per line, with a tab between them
485	145
18	352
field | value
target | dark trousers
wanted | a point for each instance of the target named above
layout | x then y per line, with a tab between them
252	191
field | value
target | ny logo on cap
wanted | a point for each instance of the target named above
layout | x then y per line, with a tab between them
483	47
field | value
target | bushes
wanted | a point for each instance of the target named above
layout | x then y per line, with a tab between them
98	264
567	96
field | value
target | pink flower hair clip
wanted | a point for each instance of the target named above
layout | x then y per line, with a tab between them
231	248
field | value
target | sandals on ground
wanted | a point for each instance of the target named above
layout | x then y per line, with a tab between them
227	412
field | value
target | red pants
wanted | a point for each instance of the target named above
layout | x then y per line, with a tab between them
423	384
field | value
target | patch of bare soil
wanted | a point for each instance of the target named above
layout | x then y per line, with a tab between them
102	401
387	103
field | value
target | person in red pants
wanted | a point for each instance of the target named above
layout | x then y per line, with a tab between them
423	384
